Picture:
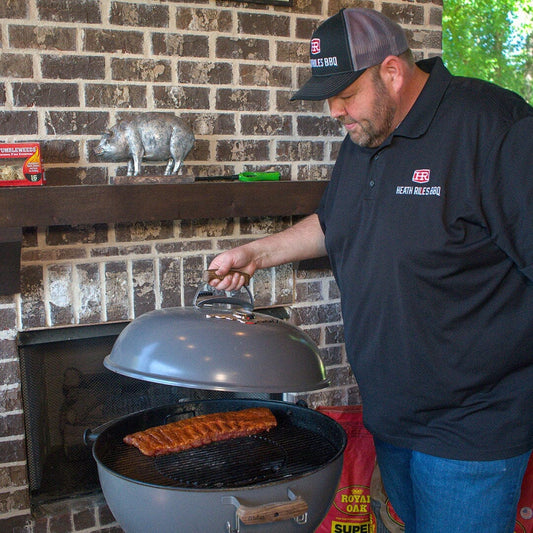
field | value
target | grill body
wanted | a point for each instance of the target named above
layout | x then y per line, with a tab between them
204	490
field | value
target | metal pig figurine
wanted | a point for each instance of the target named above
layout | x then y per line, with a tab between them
147	136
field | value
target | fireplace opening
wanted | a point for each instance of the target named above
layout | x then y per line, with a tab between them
67	390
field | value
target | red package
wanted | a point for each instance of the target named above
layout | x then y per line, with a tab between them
351	509
524	514
21	165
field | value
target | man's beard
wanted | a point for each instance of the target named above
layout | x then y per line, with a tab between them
372	132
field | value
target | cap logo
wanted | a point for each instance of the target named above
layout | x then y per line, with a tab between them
315	46
421	176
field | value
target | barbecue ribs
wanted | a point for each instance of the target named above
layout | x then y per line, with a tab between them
200	430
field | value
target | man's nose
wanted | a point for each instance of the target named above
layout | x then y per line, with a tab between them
336	107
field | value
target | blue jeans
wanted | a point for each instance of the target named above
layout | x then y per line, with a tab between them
435	495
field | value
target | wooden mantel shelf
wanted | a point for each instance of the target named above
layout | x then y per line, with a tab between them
72	205
91	204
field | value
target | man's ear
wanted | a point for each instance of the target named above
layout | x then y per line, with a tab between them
392	70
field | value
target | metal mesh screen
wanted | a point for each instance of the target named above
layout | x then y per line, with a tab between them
67	390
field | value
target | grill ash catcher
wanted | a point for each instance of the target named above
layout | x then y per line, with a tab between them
280	481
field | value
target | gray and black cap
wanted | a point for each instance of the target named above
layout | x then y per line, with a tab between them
344	46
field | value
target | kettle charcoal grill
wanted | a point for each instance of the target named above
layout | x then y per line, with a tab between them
282	480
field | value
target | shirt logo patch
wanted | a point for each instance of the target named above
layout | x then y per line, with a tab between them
421	175
315	46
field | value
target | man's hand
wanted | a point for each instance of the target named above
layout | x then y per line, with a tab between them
232	269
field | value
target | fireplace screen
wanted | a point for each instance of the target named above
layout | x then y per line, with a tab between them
67	390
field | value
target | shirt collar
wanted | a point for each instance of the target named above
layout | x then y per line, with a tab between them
421	114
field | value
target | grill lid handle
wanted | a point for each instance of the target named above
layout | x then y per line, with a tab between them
207	297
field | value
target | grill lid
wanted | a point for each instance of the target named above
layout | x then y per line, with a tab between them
218	344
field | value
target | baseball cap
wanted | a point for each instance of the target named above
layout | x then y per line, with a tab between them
344	46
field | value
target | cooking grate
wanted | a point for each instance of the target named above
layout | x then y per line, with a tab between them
240	462
285	451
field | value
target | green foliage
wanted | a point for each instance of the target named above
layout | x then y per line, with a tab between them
491	40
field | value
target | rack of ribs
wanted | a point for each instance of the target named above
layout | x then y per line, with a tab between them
200	430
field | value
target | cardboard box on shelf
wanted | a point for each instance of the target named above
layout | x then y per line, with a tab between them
20	165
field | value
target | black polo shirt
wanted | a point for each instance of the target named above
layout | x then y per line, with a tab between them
430	238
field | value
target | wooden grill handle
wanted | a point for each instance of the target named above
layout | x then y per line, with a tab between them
272	512
211	274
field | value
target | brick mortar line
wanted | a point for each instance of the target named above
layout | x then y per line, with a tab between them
15	513
11	489
13	464
13	438
9	386
11	413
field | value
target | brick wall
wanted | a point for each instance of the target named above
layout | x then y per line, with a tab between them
71	68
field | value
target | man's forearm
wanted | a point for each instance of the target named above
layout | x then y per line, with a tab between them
304	240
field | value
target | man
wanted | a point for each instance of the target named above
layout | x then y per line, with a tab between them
428	224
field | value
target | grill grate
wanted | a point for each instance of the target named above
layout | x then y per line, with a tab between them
285	451
240	462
